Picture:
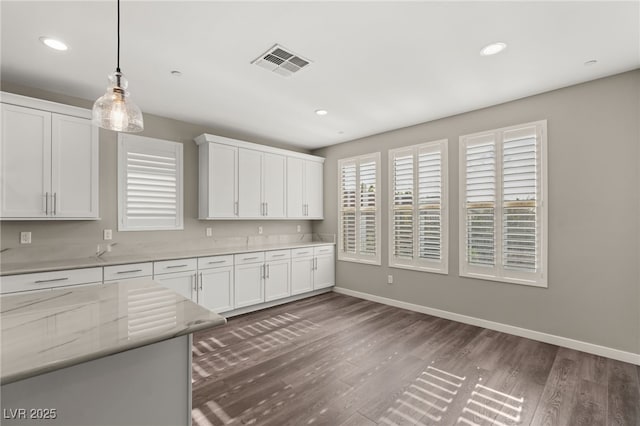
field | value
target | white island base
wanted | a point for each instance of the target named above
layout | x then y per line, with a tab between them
149	385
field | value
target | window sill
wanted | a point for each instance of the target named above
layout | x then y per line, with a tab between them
528	283
420	268
374	262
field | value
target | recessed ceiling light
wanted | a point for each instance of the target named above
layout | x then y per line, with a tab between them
53	43
176	73
591	62
493	49
322	112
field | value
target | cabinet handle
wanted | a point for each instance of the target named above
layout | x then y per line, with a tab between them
217	261
195	283
46	204
201	281
315	262
235	208
303	252
55	202
176	266
249	258
51	280
268	271
266	209
131	271
278	255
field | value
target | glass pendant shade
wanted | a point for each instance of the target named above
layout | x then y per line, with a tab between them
114	110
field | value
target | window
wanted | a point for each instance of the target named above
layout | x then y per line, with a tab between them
149	184
418	225
503	209
359	212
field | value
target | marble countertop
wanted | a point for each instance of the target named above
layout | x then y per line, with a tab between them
49	330
108	260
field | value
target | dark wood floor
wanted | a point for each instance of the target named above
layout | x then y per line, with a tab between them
337	360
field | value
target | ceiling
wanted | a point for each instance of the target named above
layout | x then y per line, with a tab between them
376	66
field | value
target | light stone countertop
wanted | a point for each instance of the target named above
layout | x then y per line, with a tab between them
108	260
50	330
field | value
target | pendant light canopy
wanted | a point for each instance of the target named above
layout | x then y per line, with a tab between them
114	110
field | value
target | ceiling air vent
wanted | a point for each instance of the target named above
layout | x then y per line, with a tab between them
281	61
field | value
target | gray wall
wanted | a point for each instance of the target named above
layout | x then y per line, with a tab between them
594	228
50	233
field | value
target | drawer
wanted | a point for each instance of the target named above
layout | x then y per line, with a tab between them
179	265
131	270
215	261
256	257
44	280
277	255
302	252
323	250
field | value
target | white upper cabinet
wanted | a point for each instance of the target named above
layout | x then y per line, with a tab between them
242	180
250	183
218	166
304	189
49	158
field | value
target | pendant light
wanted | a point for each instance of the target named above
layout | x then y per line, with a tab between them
114	110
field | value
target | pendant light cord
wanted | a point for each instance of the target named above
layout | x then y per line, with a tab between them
118	61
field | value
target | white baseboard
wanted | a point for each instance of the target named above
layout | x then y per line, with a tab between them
578	345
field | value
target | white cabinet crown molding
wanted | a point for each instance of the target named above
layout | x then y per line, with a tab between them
24	101
208	138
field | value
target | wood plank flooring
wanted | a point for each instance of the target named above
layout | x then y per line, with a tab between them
340	361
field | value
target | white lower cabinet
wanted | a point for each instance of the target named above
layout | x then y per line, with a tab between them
215	290
249	284
48	280
183	283
277	283
301	275
324	271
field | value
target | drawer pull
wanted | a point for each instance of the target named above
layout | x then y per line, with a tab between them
51	280
176	266
131	271
278	255
250	258
303	252
217	261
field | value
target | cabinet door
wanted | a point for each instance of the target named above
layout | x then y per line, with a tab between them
313	189
216	289
74	167
183	283
277	283
223	181
249	183
274	185
249	284
301	275
324	272
25	160
295	188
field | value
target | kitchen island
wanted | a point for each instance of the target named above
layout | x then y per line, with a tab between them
110	354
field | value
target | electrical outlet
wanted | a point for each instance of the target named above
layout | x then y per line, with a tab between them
107	234
260	230
299	228
209	232
25	238
389	279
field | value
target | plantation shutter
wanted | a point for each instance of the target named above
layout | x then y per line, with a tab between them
503	198
150	184
520	195
359	215
368	207
402	222
430	204
481	201
417	223
348	206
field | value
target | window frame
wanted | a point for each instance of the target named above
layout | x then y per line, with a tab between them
417	264
498	272
150	146
357	257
